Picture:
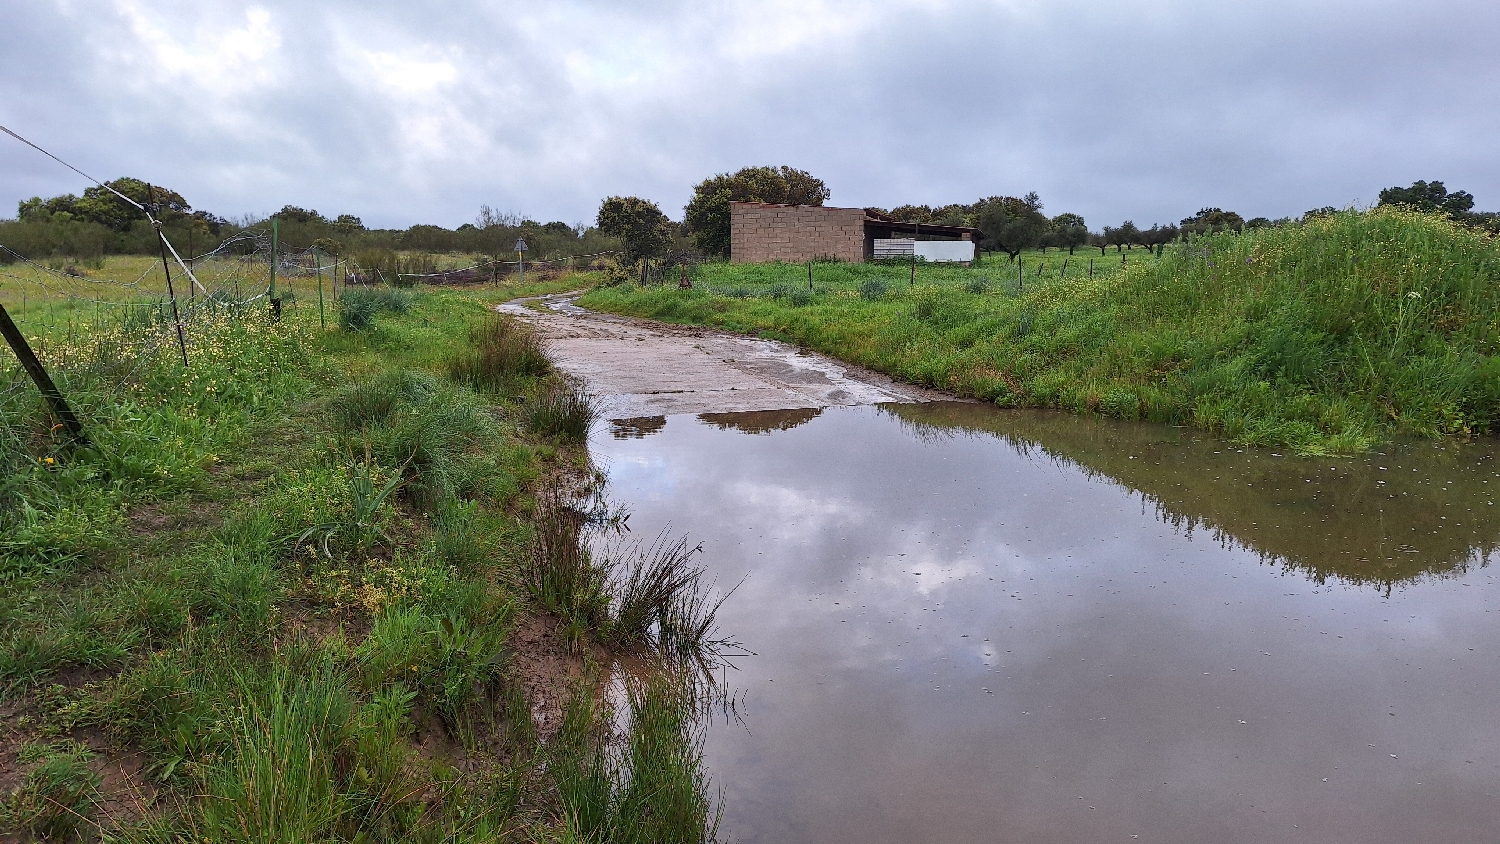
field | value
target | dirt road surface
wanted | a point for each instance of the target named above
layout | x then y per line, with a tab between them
639	368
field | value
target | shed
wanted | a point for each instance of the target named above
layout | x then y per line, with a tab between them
760	232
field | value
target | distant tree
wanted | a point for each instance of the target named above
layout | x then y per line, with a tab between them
102	206
706	216
1009	224
293	214
640	225
348	224
912	213
952	215
1130	234
1261	222
1069	231
490	218
1210	220
559	229
1099	240
1325	211
1431	197
1158	236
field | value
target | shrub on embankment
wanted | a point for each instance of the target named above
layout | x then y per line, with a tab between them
1325	336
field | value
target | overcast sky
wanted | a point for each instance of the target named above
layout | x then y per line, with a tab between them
406	112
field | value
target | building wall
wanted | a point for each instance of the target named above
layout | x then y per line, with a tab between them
794	233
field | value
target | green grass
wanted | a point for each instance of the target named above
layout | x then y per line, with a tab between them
281	577
1325	337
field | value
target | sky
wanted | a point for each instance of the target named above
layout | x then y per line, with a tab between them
405	113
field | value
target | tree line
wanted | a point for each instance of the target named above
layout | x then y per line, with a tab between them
100	223
1007	224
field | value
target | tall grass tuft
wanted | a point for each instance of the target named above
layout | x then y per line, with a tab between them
505	350
359	307
280	775
563	410
57	796
424	424
623	594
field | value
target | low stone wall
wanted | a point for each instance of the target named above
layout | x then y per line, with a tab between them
794	233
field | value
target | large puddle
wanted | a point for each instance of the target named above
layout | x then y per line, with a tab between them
980	625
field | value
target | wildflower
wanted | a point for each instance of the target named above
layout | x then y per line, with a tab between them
49	461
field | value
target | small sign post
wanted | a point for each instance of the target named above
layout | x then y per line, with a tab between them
521	248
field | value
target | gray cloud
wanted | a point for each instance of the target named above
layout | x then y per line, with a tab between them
405	113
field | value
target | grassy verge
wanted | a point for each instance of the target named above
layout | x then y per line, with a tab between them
277	598
1325	337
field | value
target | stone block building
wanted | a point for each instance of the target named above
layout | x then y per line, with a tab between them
761	232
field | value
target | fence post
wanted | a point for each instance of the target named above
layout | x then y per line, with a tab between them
271	293
166	268
1020	274
318	261
33	367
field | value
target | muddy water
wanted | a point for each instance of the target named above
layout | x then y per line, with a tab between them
976	625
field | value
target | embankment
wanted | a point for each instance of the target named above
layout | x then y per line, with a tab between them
1326	336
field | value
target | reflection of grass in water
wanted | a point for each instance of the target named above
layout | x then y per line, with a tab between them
625	595
647	785
1347	520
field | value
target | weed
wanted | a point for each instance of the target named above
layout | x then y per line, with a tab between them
873	289
627	595
367	498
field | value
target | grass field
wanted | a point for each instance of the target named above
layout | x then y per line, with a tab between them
276	598
1325	337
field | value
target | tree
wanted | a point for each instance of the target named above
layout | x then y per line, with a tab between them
1129	234
100	205
912	213
1430	197
348	224
1210	220
1158	236
1325	211
1009	224
707	213
293	214
1069	230
640	225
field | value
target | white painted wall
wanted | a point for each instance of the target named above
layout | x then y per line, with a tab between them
945	250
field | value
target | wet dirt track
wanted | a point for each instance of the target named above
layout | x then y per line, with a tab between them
639	368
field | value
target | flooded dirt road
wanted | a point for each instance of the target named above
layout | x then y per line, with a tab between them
980	625
641	369
983	625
